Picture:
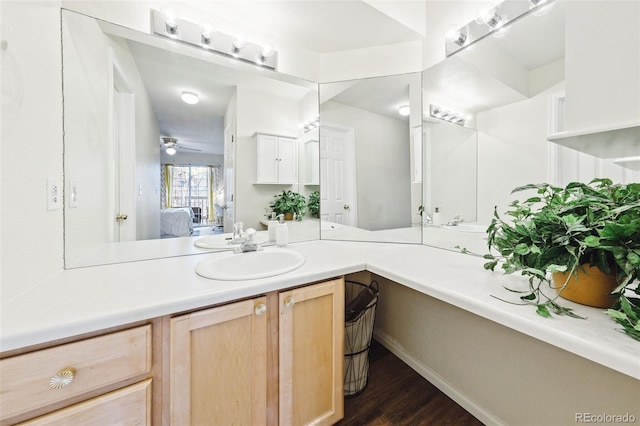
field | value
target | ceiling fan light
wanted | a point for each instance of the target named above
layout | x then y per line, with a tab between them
170	150
404	110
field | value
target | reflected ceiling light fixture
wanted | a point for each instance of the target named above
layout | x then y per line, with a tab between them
170	145
266	52
491	19
311	124
489	15
448	114
205	38
171	27
238	44
190	98
404	110
455	35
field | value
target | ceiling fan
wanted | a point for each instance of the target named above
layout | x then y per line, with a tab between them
170	146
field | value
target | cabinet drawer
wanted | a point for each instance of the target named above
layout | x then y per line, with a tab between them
97	362
127	406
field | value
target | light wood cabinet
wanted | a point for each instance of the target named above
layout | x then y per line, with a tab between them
218	365
311	338
45	380
270	360
277	159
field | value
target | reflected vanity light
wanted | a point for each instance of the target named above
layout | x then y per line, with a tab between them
203	37
448	114
491	19
455	35
311	124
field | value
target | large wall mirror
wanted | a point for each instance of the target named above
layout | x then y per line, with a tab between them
489	111
147	174
370	159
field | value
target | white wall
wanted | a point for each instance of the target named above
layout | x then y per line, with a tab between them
31	135
512	150
450	182
500	375
263	113
382	165
89	61
603	66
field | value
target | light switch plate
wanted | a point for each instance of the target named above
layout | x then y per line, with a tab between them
54	193
73	194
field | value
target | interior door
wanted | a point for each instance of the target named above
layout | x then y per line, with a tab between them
123	159
337	176
229	176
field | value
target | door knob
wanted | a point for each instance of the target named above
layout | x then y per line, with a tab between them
346	207
120	217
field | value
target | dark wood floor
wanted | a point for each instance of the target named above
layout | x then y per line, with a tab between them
397	395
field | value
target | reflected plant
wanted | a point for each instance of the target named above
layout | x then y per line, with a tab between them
314	203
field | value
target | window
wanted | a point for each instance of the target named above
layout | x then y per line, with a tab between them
190	188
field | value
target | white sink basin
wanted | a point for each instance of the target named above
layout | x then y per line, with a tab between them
222	241
251	265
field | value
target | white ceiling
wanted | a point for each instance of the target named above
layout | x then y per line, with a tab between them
322	26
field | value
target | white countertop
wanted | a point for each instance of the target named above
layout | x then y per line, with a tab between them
78	301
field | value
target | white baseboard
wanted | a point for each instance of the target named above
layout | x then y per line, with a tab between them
468	404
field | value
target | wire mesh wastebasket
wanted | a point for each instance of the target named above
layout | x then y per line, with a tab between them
360	314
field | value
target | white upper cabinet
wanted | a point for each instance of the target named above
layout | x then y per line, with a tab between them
277	160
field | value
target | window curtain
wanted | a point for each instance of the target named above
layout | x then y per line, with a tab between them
167	183
213	189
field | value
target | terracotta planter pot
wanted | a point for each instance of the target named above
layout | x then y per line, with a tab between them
589	286
288	216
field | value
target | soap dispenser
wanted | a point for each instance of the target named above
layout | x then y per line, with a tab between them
282	232
272	227
437	218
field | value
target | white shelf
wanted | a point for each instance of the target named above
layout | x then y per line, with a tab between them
632	163
621	141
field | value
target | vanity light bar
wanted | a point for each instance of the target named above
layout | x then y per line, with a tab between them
214	41
446	114
489	22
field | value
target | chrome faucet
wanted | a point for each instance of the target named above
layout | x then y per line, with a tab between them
455	221
248	244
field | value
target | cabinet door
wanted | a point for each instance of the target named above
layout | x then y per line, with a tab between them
311	354
268	160
218	365
287	160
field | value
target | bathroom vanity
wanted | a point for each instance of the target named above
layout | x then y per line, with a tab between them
435	312
272	359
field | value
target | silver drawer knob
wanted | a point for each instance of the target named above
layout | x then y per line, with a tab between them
289	302
63	378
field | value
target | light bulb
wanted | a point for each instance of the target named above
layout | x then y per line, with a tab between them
238	44
170	22
171	150
455	35
205	36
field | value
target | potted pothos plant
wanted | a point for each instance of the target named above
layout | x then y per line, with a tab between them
562	233
314	203
289	203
